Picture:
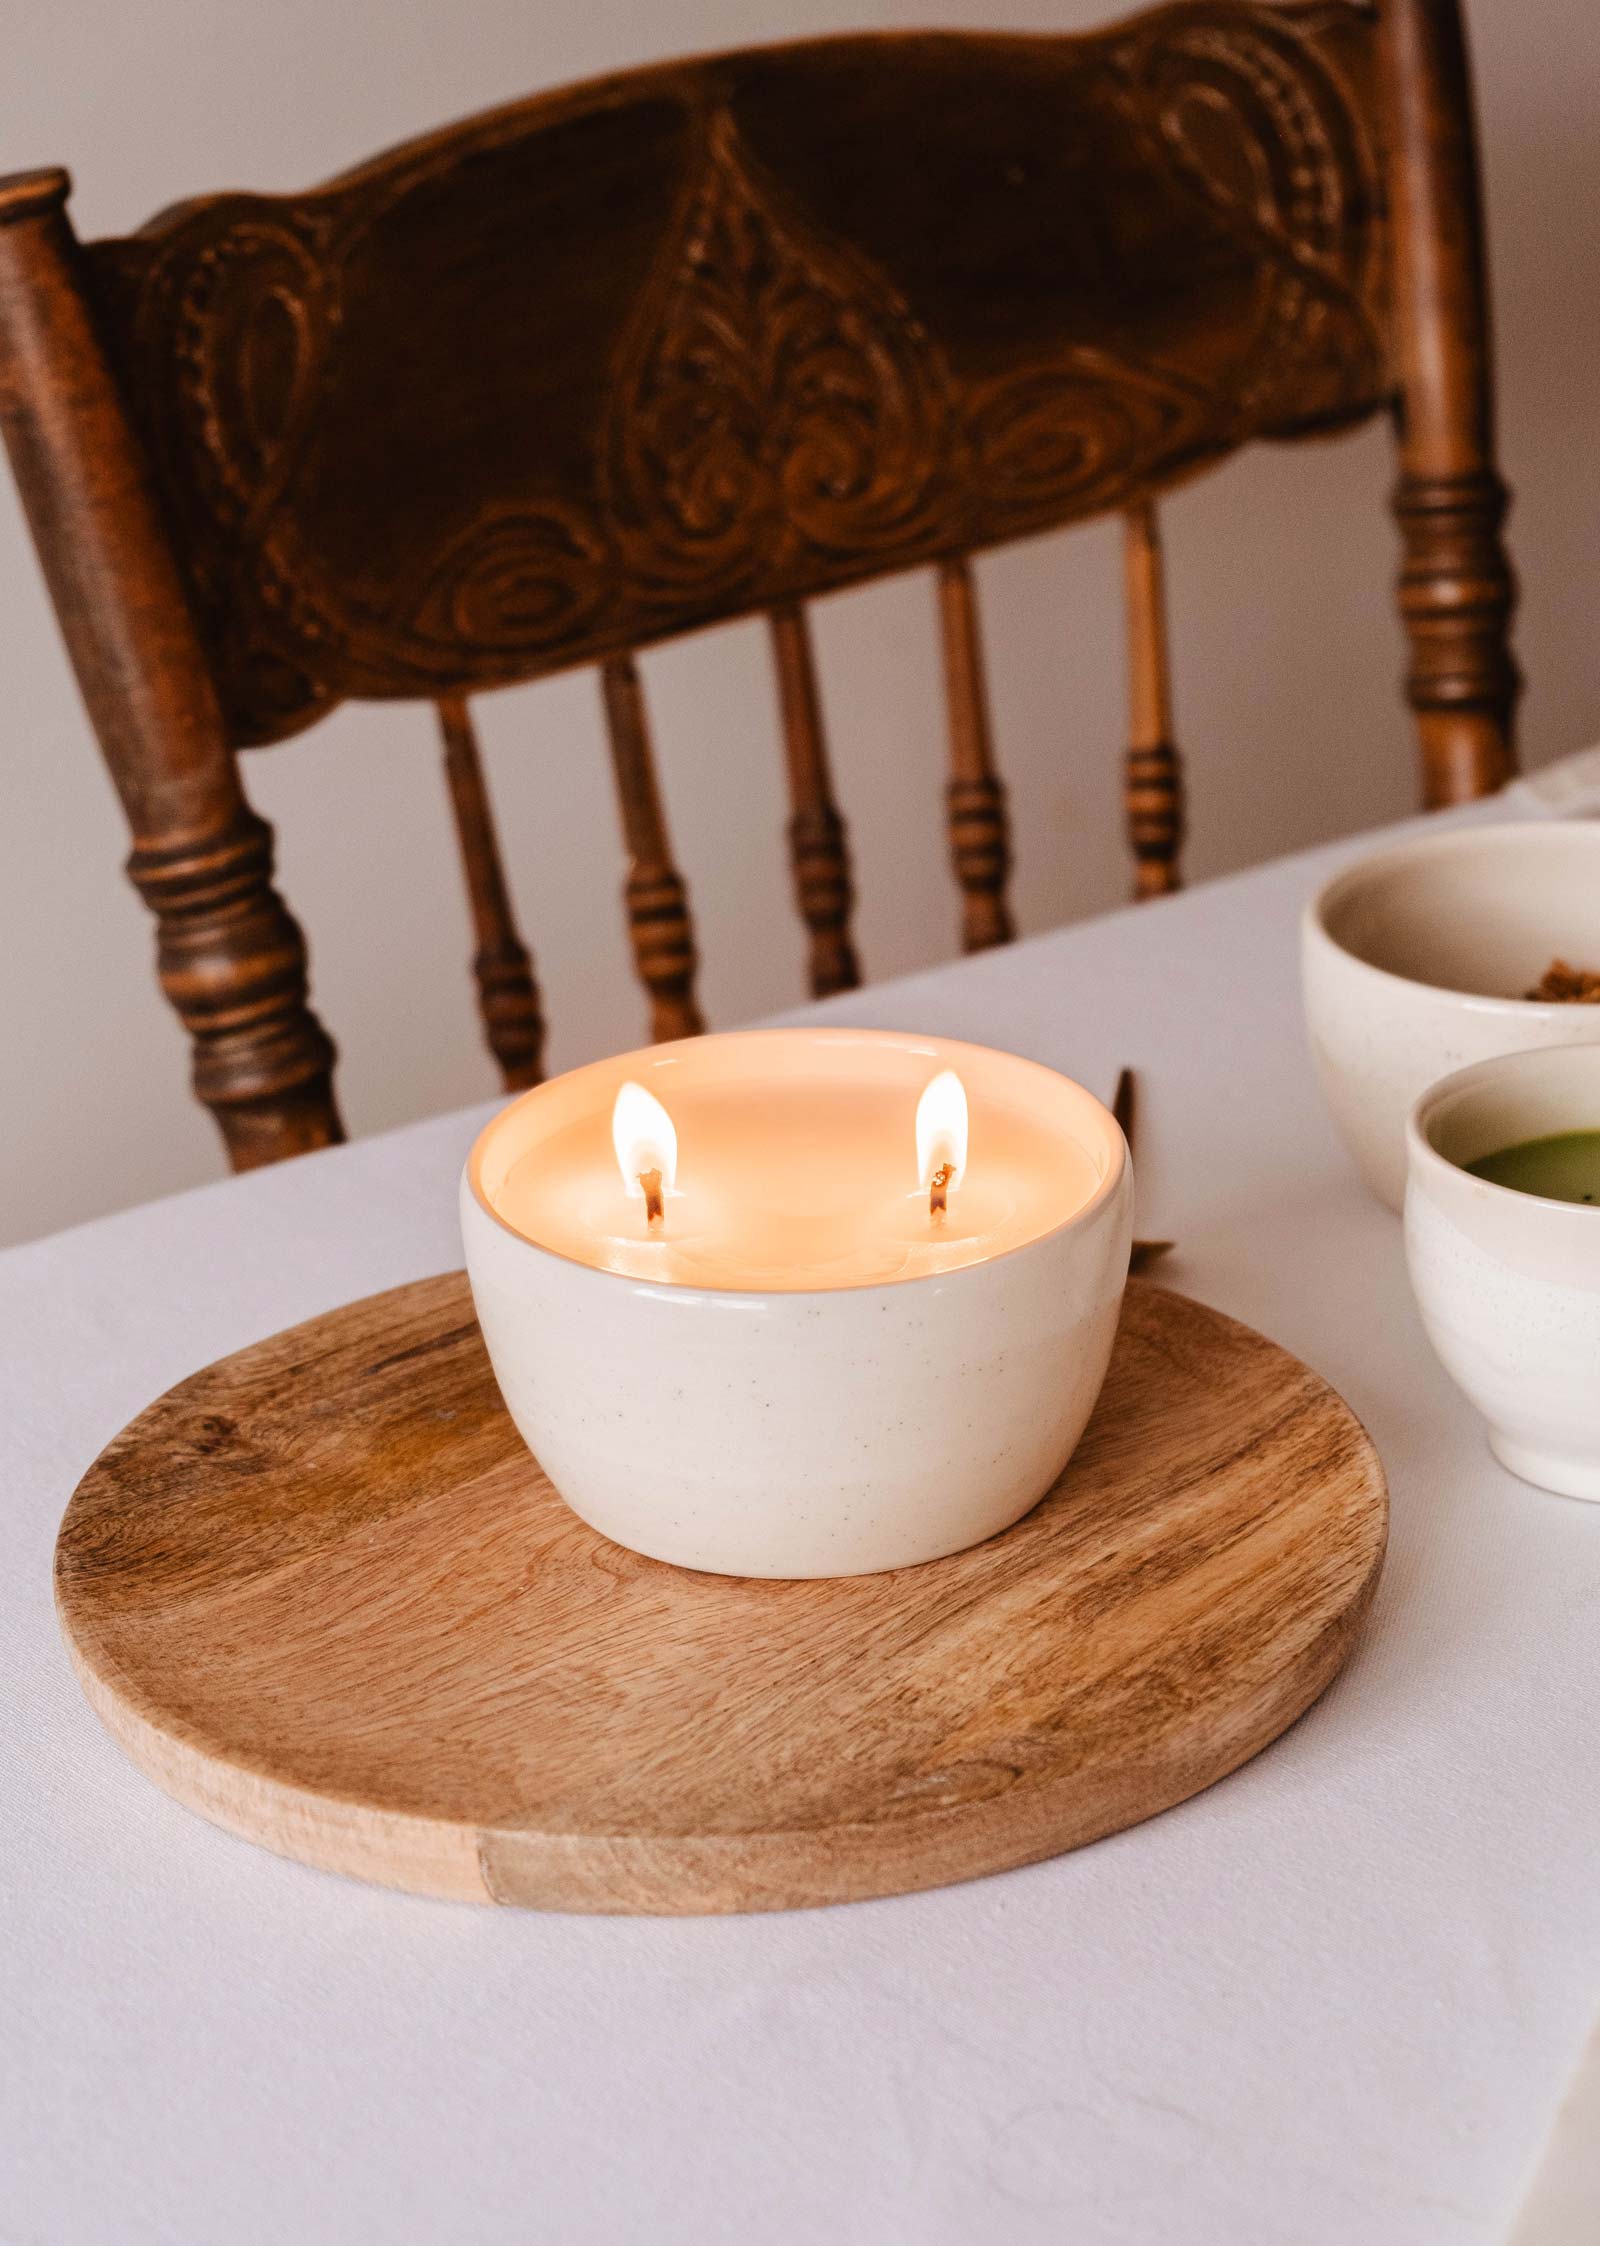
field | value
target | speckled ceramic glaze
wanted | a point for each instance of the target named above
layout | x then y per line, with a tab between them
1509	1283
1414	962
817	1433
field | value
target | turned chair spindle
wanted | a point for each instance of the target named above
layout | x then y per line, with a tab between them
980	840
508	996
1154	772
657	902
819	850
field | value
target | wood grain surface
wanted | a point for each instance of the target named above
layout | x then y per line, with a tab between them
321	1593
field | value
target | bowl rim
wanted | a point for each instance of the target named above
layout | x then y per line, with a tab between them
1422	1153
1105	1193
1539	833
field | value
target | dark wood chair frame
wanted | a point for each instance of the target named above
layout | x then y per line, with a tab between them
708	340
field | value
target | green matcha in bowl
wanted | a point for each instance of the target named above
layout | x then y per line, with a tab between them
1564	1166
1503	1244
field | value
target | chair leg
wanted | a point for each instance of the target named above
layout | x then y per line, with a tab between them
230	956
1456	598
1456	591
232	961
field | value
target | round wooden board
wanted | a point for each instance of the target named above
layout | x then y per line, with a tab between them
321	1593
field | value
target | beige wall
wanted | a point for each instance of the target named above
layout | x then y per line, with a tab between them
1286	649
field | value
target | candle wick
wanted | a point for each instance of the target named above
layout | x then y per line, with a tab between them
655	1207
939	1189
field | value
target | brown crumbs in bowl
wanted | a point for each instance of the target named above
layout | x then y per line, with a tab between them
1577	986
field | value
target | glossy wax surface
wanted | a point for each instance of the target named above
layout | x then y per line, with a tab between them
1562	1167
797	1163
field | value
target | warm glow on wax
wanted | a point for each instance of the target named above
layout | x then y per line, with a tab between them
941	1137
646	1146
809	1167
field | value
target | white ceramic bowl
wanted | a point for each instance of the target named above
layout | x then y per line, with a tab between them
1509	1283
831	1432
1414	963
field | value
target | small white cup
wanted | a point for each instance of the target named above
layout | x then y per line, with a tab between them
1414	962
1509	1283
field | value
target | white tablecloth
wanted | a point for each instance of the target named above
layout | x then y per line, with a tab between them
1332	2002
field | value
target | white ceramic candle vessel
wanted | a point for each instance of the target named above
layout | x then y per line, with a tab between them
794	1368
1415	963
1509	1283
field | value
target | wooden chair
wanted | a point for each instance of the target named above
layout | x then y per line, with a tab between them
707	340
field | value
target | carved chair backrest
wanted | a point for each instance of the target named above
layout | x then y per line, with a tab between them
707	340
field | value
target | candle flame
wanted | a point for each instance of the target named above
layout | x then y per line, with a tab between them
941	1138
646	1145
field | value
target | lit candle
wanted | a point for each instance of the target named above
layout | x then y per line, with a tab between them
800	1302
942	1132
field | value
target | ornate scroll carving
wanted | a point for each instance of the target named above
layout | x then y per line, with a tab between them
1066	439
759	408
224	355
517	576
775	399
254	317
1259	129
